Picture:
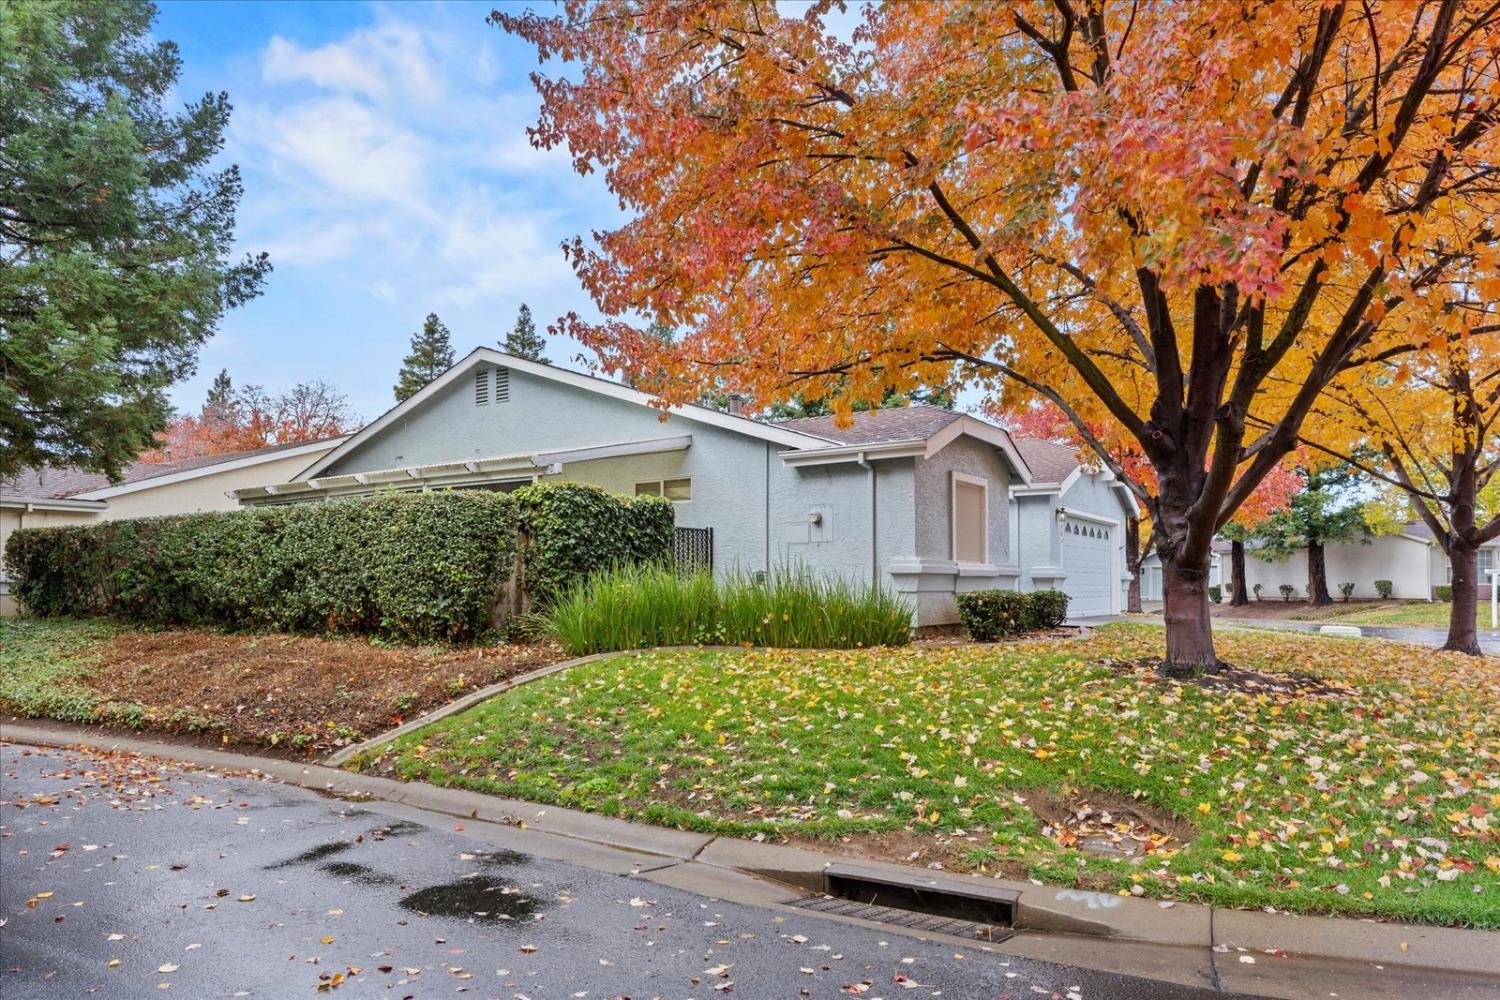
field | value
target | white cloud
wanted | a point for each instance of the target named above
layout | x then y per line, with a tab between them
343	145
390	60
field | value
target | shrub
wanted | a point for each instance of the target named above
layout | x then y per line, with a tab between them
652	604
1347	590
570	530
1444	592
1384	588
1045	609
1215	593
1256	588
1288	591
995	614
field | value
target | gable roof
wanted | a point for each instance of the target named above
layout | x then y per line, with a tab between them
1050	462
67	482
901	423
773	433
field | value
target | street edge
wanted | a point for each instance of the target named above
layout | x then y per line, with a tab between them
1049	909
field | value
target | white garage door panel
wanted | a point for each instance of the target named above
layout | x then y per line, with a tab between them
1088	559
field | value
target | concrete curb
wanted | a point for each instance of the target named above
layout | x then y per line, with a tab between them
1040	908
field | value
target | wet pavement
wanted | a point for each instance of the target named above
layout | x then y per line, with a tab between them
127	877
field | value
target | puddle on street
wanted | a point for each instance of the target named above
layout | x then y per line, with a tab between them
362	874
496	859
481	898
398	828
318	853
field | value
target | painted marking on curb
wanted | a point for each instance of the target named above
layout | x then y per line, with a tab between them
1095	900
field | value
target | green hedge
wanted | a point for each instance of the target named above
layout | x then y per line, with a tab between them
996	614
570	530
417	566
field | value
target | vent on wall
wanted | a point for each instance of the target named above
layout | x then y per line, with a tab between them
502	385
482	387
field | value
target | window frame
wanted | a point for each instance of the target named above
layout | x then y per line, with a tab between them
661	488
956	480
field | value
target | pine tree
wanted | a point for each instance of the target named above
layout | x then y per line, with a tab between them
431	355
523	341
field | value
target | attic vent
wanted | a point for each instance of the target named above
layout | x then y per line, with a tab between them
502	385
482	387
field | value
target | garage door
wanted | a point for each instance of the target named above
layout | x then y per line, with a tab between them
1088	560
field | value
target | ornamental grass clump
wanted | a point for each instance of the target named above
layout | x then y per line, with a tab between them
635	607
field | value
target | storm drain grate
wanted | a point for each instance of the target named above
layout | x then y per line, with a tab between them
924	922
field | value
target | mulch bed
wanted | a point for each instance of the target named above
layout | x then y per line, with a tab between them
1232	678
297	694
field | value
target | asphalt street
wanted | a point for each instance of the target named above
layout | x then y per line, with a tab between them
122	876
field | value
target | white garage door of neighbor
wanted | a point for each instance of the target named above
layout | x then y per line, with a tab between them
1088	559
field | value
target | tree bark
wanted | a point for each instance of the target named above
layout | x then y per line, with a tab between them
1190	639
1133	561
1317	575
1463	632
1239	594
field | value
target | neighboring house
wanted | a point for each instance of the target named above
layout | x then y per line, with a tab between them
1218	571
52	497
914	498
1068	528
1411	560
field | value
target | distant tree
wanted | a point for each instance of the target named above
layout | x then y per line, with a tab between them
220	392
1326	512
523	341
253	418
115	232
431	354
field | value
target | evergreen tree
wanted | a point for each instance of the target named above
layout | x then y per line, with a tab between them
523	341
1326	512
220	397
431	354
115	232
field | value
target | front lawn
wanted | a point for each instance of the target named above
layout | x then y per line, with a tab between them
293	694
1368	784
1423	614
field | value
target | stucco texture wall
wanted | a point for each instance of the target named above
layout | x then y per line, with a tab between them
1403	561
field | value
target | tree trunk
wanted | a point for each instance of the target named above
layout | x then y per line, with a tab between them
1463	633
1239	594
1133	561
1317	576
1190	639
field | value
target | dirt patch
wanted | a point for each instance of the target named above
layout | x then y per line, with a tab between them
1107	823
282	692
1273	608
1232	678
930	636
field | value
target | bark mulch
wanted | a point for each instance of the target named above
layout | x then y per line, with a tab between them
294	694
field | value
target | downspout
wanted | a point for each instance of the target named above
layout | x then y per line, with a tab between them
874	551
768	509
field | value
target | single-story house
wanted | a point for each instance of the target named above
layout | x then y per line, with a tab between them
50	497
1068	528
915	498
1218	571
1414	563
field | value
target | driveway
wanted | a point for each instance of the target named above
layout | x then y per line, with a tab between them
127	877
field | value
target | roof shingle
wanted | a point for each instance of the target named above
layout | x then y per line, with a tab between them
902	423
1050	462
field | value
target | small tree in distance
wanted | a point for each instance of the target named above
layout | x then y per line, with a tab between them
523	341
431	354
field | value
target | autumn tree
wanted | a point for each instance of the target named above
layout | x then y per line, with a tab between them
1424	424
247	418
523	341
1182	219
430	355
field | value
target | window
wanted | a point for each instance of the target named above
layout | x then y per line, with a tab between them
971	521
676	490
1486	559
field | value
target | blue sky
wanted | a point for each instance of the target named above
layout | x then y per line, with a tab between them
388	174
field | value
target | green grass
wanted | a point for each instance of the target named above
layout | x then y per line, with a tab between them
1379	799
41	663
1424	614
642	606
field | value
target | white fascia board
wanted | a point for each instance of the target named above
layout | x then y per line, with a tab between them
914	448
649	447
1036	490
1083	515
60	504
588	383
209	470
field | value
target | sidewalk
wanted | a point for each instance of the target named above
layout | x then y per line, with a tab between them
1489	640
1252	952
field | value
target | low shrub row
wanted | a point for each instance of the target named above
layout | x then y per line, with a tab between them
996	614
635	607
416	566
